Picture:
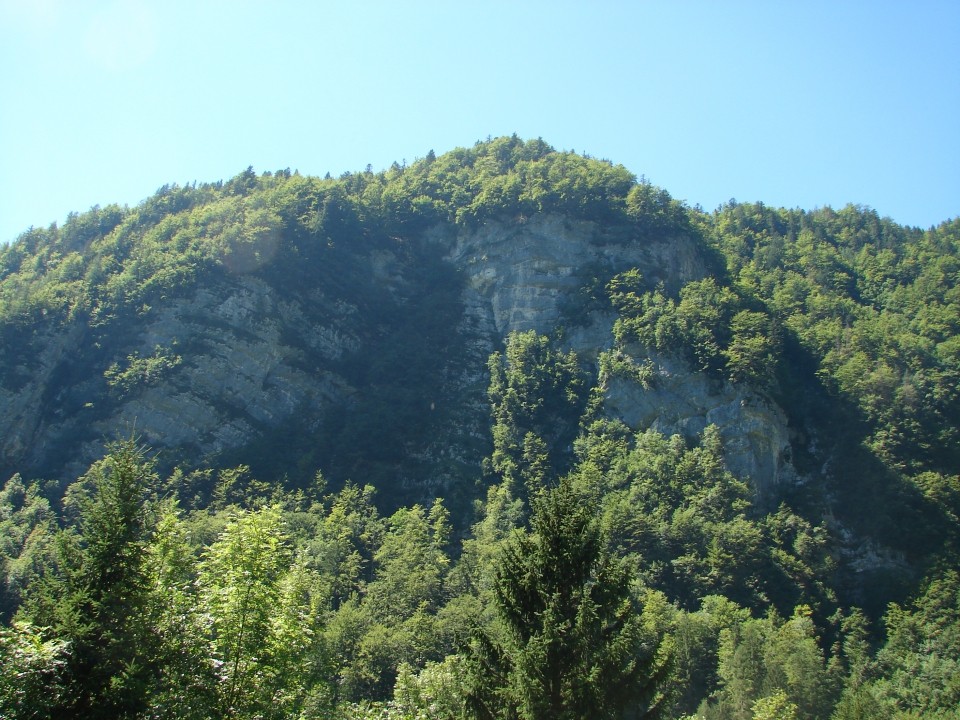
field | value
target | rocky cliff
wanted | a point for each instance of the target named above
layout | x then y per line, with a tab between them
261	368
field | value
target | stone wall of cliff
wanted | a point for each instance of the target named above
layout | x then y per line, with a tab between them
266	364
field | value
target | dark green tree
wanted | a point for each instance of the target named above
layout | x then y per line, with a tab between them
99	603
537	396
919	665
573	643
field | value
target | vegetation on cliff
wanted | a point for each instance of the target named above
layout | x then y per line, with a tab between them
602	570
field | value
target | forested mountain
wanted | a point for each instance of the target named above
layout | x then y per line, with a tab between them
504	433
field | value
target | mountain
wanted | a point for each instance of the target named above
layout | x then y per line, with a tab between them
502	316
241	321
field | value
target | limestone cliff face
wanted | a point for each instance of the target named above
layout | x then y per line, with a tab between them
250	356
29	409
756	436
251	360
247	360
520	275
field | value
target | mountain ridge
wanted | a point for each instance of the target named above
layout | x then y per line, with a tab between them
216	317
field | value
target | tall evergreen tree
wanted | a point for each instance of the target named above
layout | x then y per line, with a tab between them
573	644
99	604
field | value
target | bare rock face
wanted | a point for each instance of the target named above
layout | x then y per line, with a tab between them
244	361
519	277
249	360
755	433
521	273
240	356
28	406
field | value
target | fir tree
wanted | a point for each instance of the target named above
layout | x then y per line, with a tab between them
573	644
99	604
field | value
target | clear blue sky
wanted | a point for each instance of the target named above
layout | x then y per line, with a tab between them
797	104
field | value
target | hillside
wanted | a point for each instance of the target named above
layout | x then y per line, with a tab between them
757	407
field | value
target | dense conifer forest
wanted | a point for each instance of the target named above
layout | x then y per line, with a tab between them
582	568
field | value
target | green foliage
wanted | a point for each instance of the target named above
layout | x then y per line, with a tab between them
704	325
775	707
435	693
654	212
396	618
187	686
27	528
537	395
97	601
217	593
918	666
772	668
500	515
240	582
264	621
696	651
616	363
342	549
141	371
505	178
752	353
573	643
872	302
33	672
689	527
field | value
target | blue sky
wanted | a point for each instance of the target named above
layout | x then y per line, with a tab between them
796	104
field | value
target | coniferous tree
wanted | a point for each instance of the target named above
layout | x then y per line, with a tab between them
99	604
574	644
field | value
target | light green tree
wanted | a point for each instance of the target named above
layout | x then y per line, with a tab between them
187	686
263	624
395	621
763	657
33	672
775	707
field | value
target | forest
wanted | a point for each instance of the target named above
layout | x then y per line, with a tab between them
582	568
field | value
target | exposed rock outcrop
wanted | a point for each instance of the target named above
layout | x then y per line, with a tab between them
255	357
520	275
522	272
755	432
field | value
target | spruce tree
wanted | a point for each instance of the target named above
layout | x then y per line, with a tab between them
99	603
573	642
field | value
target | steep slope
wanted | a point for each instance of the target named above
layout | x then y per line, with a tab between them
735	433
261	359
300	324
